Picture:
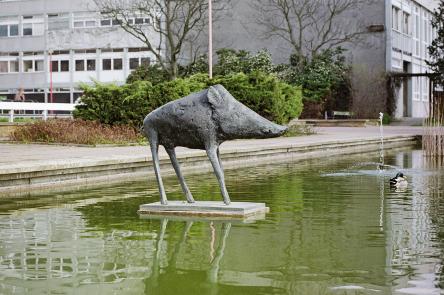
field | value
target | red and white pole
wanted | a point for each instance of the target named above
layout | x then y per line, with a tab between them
210	40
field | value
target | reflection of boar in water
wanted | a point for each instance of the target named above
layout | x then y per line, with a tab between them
203	120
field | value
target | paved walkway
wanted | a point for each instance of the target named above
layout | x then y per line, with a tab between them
24	154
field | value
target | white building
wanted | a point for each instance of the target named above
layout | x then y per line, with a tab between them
67	38
410	35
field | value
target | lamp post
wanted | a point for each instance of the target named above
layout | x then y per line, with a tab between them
210	40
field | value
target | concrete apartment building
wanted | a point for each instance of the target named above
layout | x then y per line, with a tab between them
82	45
407	41
68	39
399	32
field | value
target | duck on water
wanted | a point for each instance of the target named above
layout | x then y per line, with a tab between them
398	181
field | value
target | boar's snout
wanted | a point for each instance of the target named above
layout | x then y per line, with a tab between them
282	129
274	130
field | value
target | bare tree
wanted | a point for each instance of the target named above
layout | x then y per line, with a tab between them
310	25
175	22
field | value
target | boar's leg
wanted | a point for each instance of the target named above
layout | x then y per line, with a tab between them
176	167
212	155
154	144
220	162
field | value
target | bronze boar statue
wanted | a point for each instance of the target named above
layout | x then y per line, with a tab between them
203	120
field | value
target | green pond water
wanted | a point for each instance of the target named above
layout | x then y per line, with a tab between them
335	227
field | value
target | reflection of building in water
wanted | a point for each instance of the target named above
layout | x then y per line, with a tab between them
409	226
44	251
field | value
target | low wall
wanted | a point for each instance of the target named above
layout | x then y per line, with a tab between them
93	173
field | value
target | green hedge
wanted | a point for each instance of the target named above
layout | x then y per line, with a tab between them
130	103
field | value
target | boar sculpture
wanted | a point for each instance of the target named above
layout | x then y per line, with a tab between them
203	120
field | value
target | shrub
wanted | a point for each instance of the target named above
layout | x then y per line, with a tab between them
200	65
152	73
325	81
386	119
321	74
112	104
76	132
130	103
265	94
230	61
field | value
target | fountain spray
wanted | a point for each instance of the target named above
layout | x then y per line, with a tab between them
381	151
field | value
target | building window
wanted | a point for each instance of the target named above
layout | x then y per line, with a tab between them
109	64
14	66
135	62
58	21
9	26
28	66
9	30
138	20
84	24
145	61
104	50
137	49
117	63
417	25
64	66
39	65
83	51
80	65
395	18
141	20
60	65
416	30
405	23
3	66
9	62
13	30
4	31
34	65
84	20
58	52
27	29
90	64
55	66
106	64
33	26
105	22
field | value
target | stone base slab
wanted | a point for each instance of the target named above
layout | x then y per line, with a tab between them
204	208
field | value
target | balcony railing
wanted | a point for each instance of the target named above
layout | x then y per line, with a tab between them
44	108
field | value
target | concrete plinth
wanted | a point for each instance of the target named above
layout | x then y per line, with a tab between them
204	208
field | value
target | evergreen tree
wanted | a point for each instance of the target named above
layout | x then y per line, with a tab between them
436	49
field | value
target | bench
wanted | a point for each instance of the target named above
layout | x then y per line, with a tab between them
341	114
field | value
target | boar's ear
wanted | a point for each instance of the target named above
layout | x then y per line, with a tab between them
214	96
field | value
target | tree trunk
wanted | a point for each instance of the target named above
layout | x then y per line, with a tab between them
174	69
